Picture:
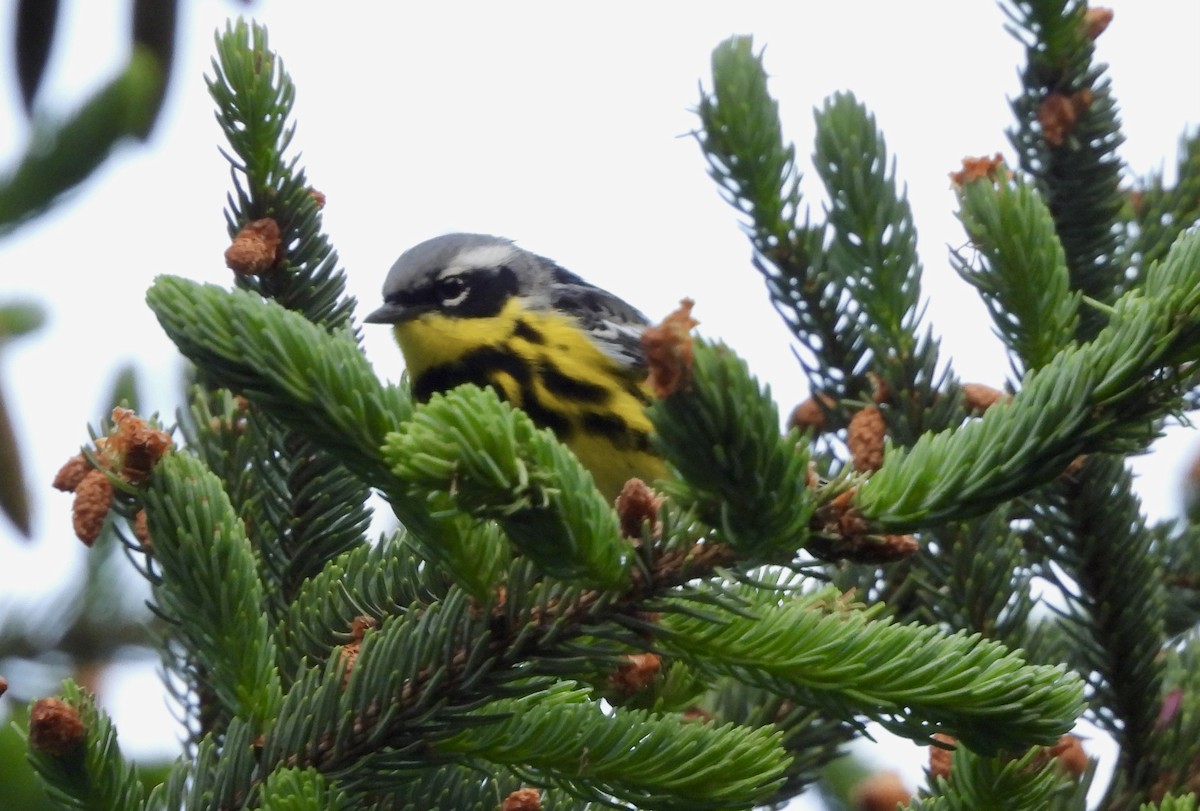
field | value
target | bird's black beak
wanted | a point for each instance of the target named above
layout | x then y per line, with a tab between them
389	313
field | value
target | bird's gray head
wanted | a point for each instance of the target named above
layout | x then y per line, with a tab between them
462	275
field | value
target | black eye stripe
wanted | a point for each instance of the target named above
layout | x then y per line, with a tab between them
450	287
479	293
487	291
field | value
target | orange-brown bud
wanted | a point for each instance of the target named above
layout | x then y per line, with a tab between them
669	352
360	625
979	168
1070	755
1057	117
523	799
136	445
141	529
55	727
812	413
1095	20
978	398
637	505
71	474
349	655
897	547
941	759
880	792
1137	201
636	672
93	498
880	391
255	249
1059	113
865	439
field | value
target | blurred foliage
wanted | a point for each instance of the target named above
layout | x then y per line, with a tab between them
93	621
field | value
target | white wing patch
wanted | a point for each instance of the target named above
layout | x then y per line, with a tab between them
621	341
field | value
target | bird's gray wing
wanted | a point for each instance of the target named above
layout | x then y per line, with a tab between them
613	325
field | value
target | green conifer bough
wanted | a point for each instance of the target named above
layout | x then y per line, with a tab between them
508	634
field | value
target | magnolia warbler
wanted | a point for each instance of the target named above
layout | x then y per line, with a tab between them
472	308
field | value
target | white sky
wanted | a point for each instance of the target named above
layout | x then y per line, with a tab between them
560	125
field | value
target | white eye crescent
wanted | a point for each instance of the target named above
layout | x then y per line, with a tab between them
452	290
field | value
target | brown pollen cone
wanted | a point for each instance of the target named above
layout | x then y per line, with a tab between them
978	398
1070	755
360	625
1095	20
55	727
137	445
350	651
255	249
637	505
1059	113
71	474
636	672
941	759
978	169
669	352
349	655
93	498
880	792
812	413
865	439
523	799
141	529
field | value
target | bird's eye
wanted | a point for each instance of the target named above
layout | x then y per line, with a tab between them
452	290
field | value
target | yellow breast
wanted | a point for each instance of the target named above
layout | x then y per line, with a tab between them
543	363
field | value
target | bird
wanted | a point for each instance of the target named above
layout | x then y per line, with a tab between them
475	308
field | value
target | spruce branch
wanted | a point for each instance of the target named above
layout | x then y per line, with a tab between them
1025	783
299	790
438	668
1066	136
312	381
1186	802
496	464
1023	278
742	140
210	592
849	288
722	434
979	579
371	582
74	750
436	786
1097	535
1158	213
1101	396
313	509
912	679
1177	727
871	246
1178	543
630	755
254	96
811	737
217	777
429	661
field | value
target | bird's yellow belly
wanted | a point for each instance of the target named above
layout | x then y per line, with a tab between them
544	364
